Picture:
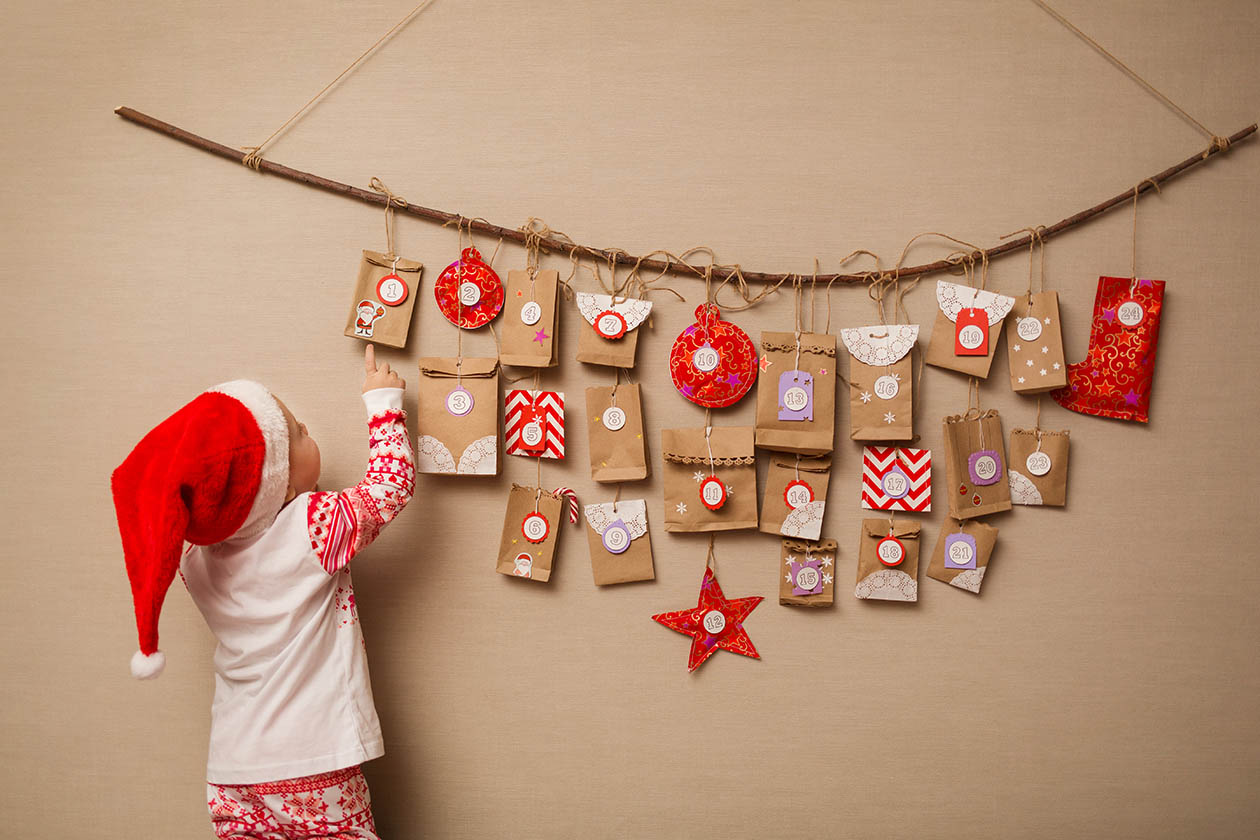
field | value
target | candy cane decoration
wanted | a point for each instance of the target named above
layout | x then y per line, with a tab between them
573	502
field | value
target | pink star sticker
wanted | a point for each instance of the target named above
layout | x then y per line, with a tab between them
765	363
1109	315
541	336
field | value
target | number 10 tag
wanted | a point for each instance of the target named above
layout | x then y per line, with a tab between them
971	333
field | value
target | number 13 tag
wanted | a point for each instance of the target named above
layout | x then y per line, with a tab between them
971	333
796	395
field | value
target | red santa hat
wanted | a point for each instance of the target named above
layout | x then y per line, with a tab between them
217	469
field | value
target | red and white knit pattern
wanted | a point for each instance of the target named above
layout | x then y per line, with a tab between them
342	524
329	805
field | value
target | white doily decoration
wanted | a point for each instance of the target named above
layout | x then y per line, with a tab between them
632	512
634	310
881	344
954	297
888	585
805	522
1023	491
969	580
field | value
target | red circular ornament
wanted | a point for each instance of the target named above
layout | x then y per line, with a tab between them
610	325
713	362
890	551
712	493
797	491
535	527
391	290
481	289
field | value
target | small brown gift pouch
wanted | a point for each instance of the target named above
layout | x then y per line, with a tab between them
621	549
795	496
881	384
529	319
1035	345
1039	465
796	393
888	561
384	295
962	553
710	479
618	447
807	573
948	347
531	527
457	425
611	334
975	467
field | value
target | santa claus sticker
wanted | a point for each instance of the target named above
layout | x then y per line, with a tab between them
368	312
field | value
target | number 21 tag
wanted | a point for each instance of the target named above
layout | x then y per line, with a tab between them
971	333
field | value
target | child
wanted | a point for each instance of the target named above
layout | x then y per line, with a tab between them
234	474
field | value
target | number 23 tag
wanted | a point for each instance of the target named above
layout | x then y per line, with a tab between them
971	333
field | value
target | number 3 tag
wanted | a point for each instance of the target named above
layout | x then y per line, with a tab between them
971	333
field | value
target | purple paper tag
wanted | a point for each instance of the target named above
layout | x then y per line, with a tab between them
960	551
985	467
796	395
616	537
895	483
806	577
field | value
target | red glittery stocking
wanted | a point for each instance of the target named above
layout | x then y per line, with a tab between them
1115	378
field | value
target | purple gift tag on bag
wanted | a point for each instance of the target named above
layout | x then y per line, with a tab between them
960	551
616	537
796	395
985	467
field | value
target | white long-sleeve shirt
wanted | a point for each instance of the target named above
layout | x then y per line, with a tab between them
292	693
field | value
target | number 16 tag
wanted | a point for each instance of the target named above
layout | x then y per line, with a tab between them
971	333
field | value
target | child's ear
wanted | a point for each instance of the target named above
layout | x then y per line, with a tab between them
290	493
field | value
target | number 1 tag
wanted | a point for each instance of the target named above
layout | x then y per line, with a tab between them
796	395
960	551
391	290
971	333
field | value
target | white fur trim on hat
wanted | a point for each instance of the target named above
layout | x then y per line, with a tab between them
147	667
274	482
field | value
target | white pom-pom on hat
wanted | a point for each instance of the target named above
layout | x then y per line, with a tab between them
147	667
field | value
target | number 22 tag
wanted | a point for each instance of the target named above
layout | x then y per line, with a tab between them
971	333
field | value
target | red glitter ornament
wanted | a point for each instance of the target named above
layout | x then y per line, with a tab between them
714	622
713	362
468	291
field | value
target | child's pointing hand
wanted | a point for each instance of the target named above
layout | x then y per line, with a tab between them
378	377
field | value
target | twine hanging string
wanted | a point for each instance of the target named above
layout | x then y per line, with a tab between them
1217	141
253	154
1133	265
1034	239
391	201
710	560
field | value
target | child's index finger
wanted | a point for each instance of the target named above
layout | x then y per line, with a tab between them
369	358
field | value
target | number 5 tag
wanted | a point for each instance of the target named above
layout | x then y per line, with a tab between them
971	333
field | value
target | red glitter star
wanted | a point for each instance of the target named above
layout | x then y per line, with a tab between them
714	622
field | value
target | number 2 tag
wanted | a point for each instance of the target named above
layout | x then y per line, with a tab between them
796	395
971	333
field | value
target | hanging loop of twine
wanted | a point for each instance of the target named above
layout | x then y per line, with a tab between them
392	200
1137	189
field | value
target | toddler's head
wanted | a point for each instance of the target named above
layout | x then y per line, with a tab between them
303	456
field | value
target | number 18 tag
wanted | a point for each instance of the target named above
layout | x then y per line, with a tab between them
971	333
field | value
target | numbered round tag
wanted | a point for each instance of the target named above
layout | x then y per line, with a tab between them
1029	329
469	293
971	336
705	359
797	494
1038	463
391	290
535	527
886	387
614	419
610	325
807	577
531	313
1130	313
714	622
712	493
459	402
796	398
532	435
616	537
890	551
960	551
985	467
895	483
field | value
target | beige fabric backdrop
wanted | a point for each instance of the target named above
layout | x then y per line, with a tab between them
1105	682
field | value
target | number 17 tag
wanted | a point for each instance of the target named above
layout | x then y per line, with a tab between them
971	333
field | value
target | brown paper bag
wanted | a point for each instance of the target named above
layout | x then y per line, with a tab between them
611	333
449	442
687	468
1035	345
372	318
809	427
807	573
520	556
795	496
618	452
973	558
974	454
529	319
1028	459
621	548
878	581
952	298
881	381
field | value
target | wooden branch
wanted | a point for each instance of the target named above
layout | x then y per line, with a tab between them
515	235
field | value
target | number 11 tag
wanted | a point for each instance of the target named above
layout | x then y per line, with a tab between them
971	333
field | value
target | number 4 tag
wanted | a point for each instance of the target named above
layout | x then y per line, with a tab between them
971	333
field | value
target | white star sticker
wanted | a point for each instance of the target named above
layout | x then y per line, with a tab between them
866	396
681	507
826	561
1056	365
730	491
789	561
1016	348
827	578
889	417
1043	371
699	476
897	377
1030	362
788	577
1021	380
1047	320
1045	349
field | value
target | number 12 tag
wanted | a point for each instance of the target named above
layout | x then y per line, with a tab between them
971	333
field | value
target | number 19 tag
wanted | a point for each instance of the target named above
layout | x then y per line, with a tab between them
971	333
